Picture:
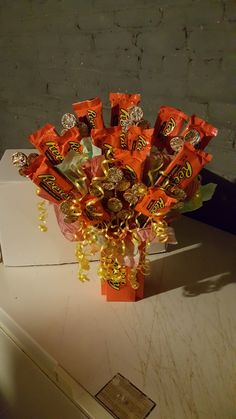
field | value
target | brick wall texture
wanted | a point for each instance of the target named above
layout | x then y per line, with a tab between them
175	52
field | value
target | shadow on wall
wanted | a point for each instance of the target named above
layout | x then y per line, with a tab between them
220	211
203	261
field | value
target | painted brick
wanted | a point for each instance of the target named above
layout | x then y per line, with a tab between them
110	41
210	88
113	61
230	10
223	113
213	40
229	64
162	86
102	20
179	53
138	18
225	140
175	65
124	4
150	61
162	40
193	13
223	161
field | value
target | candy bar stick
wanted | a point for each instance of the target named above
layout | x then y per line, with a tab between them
146	222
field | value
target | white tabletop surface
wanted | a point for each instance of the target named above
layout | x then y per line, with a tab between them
178	345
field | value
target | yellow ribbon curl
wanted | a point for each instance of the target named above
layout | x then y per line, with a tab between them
43	214
113	236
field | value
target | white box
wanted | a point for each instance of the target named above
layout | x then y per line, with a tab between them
22	243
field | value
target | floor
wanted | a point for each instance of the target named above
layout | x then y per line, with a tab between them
177	345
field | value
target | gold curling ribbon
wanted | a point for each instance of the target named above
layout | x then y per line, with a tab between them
160	228
43	214
114	234
152	172
82	261
111	270
82	250
95	184
117	274
75	207
144	263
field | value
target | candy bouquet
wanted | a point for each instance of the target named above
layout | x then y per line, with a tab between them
115	190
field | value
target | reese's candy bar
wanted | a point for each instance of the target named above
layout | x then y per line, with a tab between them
139	139
155	204
47	141
155	162
198	132
92	210
184	167
54	187
120	105
132	166
90	111
107	138
71	140
168	125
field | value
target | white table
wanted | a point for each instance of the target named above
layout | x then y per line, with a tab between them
178	345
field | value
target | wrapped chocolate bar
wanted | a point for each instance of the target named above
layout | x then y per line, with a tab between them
168	125
52	185
119	188
139	139
184	167
132	163
125	112
122	105
46	140
92	210
198	132
70	140
155	204
90	112
108	139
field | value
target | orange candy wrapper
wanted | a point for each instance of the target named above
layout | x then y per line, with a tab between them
132	164
90	111
199	132
71	141
47	141
139	139
108	139
168	125
155	204
184	167
53	186
92	211
124	292
120	105
131	286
